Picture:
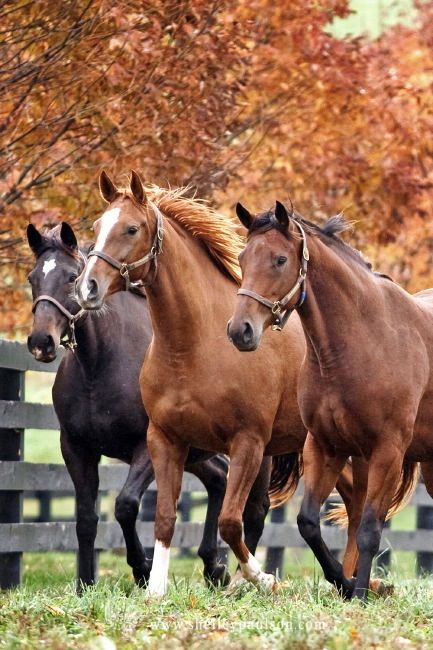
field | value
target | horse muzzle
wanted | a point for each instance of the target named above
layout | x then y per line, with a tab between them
243	335
42	346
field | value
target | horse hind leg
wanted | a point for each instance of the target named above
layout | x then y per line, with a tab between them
140	476
213	474
320	476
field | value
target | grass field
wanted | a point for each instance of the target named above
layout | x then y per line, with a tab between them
304	613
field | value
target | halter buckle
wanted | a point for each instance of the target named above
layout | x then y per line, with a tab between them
124	271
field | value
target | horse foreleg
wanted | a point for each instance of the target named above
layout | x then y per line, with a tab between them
257	506
353	490
256	509
320	476
213	474
140	476
83	469
246	455
168	458
383	477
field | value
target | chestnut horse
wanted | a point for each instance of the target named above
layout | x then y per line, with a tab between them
366	384
97	399
196	388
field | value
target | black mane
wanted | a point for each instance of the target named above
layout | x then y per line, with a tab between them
327	233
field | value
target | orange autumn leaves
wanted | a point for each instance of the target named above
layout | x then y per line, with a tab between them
245	100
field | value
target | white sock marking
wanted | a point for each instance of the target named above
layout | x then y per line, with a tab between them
49	265
252	571
108	220
159	574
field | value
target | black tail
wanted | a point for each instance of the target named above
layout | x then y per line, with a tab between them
286	472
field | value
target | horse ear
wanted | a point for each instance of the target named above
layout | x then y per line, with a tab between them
67	236
137	188
34	238
244	216
107	187
281	214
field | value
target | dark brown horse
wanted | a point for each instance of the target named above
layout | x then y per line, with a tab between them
97	399
366	384
196	388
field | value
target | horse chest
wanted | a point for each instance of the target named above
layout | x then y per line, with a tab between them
335	422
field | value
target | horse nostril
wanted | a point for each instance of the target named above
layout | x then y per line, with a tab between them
50	344
93	288
248	333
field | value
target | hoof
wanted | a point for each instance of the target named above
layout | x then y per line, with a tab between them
266	582
381	589
142	575
217	576
236	583
346	589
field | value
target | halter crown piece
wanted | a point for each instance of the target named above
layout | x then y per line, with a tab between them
279	309
155	250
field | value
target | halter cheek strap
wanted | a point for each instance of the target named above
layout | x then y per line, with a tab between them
156	248
280	311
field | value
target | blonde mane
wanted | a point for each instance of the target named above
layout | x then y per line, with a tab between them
218	232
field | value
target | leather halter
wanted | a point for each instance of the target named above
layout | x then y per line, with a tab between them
155	250
280	311
70	342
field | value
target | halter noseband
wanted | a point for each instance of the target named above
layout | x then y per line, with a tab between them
279	309
70	342
155	250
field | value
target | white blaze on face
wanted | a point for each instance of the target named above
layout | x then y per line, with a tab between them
159	573
49	265
108	221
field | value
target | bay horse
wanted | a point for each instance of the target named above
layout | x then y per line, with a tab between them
97	400
366	383
213	397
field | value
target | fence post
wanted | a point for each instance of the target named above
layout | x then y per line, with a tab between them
275	555
11	502
424	521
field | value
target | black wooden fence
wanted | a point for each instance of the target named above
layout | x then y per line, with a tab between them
18	477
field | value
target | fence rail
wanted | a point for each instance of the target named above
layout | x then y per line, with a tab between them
18	477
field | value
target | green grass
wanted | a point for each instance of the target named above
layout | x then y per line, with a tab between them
304	613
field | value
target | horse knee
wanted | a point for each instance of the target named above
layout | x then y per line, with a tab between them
164	529
369	533
309	526
86	526
230	530
126	508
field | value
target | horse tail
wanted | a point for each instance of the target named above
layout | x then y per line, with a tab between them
286	472
410	472
408	481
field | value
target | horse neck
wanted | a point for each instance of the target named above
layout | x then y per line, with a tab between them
189	294
336	290
94	340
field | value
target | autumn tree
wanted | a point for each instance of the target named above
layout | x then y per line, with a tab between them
251	100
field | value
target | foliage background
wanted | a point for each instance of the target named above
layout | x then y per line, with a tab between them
251	100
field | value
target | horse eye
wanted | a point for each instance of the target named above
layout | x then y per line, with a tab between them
73	277
132	230
281	260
